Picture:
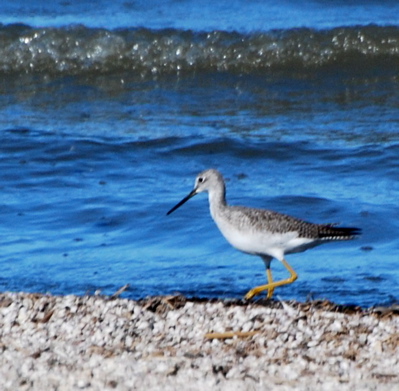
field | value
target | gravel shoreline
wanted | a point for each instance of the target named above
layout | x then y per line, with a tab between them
174	343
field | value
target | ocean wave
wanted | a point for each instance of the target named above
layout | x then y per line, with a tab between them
78	49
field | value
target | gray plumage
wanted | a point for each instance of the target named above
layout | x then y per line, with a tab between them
274	222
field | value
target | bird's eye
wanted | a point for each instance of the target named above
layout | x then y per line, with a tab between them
200	179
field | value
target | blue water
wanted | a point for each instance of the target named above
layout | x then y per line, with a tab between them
206	15
108	114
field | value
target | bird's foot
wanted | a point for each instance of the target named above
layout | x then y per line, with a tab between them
270	292
257	290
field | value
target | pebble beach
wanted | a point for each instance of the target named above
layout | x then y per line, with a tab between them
175	343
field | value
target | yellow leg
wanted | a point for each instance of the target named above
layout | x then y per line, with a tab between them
271	285
269	281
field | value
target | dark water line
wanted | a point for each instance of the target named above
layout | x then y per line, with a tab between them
80	50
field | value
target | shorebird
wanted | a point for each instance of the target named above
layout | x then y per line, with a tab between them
262	232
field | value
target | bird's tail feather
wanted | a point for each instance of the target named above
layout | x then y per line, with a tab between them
331	232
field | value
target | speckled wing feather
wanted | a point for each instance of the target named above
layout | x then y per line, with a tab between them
274	222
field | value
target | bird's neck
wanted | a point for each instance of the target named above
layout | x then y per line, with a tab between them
217	200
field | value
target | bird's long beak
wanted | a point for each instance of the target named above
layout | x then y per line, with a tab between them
183	201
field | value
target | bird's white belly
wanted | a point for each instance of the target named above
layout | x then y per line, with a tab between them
264	242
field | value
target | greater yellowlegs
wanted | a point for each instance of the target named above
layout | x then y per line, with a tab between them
262	232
